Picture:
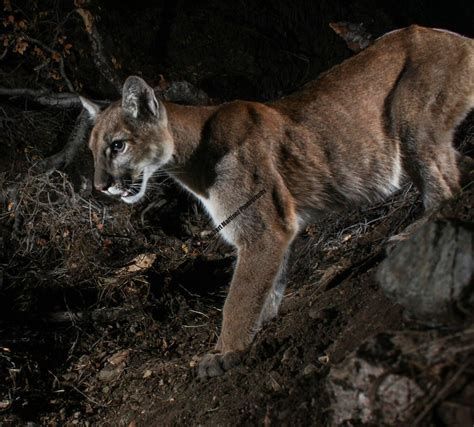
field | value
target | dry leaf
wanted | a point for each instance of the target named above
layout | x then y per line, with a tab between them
22	24
87	18
117	65
67	48
41	242
323	359
119	357
141	262
21	46
54	75
39	52
163	83
56	56
147	373
7	6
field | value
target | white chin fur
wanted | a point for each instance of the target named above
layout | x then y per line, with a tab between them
147	173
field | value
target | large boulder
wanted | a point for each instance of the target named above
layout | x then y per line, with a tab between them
402	378
431	274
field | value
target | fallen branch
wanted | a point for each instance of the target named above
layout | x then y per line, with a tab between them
43	97
2	56
46	98
181	92
105	315
442	393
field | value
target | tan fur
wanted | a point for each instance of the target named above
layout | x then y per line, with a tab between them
348	138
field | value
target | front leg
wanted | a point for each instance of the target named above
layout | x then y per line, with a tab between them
258	270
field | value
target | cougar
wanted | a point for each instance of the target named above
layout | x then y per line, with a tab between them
352	136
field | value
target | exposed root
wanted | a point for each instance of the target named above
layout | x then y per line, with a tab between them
66	155
98	53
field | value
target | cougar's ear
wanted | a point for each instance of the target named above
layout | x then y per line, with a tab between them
92	108
138	99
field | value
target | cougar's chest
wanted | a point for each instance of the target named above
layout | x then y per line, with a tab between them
216	208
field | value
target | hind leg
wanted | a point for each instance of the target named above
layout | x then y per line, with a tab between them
466	169
432	166
431	161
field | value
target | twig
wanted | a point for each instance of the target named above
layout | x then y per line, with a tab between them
97	316
60	56
87	397
442	393
4	53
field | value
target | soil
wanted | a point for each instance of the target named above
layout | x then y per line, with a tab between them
136	362
105	309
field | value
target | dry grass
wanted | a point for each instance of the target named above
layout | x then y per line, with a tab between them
59	236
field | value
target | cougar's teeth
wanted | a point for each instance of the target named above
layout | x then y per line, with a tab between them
114	190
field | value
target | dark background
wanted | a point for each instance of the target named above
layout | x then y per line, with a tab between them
256	49
58	261
238	49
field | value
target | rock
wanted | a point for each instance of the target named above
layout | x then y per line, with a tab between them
273	382
375	384
431	274
309	369
119	357
324	359
109	374
364	393
390	378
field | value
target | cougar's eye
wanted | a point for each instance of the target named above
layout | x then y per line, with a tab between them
118	146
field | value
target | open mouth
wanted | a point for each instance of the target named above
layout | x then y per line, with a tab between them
127	194
135	191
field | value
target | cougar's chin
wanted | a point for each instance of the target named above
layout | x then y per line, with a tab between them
133	198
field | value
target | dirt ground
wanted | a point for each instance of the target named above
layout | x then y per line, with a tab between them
121	349
105	309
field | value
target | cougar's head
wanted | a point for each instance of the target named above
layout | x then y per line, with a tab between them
130	141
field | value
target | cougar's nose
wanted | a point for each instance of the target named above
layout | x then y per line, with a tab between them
101	186
102	181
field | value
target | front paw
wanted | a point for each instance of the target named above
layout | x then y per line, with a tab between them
216	364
